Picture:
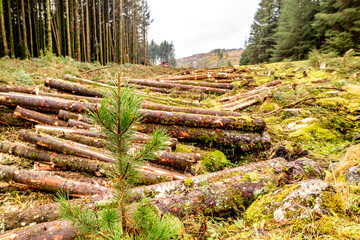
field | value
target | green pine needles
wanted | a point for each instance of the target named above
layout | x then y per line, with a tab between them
117	116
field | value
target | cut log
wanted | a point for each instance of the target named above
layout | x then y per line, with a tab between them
20	89
66	115
182	161
60	131
177	86
78	124
71	97
59	229
83	80
50	183
160	107
203	121
226	138
37	117
187	77
73	88
66	162
205	84
44	103
7	118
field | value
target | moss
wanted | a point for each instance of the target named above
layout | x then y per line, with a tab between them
333	202
214	161
335	103
267	107
313	132
263	207
188	182
184	148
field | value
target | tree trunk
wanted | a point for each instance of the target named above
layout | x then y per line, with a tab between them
68	28
100	34
202	121
96	47
66	115
44	103
205	84
3	31
78	124
121	35
84	52
11	36
30	29
49	182
77	31
168	108
26	49
138	138
88	48
70	97
37	117
7	118
225	138
48	21
66	162
59	229
73	88
177	86
20	89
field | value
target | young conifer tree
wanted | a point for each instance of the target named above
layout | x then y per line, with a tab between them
117	115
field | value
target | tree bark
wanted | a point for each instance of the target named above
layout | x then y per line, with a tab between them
25	45
3	31
70	97
66	115
66	162
44	103
37	117
78	124
48	30
59	229
20	89
30	29
225	138
61	131
100	34
203	121
49	182
68	28
168	108
205	84
77	31
11	35
177	86
88	48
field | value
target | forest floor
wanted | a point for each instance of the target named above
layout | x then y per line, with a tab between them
314	113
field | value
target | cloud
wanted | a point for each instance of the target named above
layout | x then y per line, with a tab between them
197	26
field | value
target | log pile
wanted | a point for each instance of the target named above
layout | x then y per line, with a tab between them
66	139
244	100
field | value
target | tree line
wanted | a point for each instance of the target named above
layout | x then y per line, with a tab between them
86	30
165	52
290	29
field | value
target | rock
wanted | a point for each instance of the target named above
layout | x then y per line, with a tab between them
300	124
287	150
288	113
296	202
353	175
333	93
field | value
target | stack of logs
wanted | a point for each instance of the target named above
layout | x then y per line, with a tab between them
66	139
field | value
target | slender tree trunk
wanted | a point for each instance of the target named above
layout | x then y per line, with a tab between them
30	29
77	31
36	28
11	37
95	32
121	35
26	50
88	49
3	32
134	33
85	57
100	34
48	21
114	27
68	28
105	39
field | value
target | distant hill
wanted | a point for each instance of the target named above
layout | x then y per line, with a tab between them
215	58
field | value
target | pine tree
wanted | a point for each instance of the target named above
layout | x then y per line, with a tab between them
261	41
338	25
117	115
295	36
2	27
48	21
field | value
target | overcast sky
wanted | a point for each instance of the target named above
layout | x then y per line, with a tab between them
199	26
